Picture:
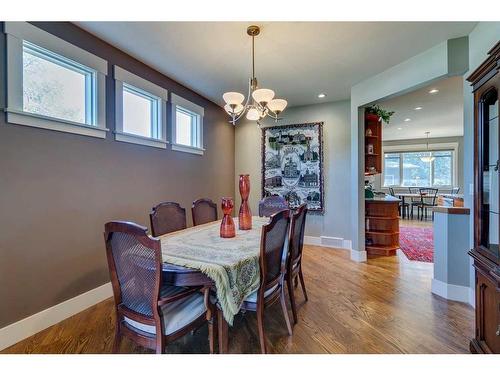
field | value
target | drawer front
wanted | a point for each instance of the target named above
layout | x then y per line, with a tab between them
487	313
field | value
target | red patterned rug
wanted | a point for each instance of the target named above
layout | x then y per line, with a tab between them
417	243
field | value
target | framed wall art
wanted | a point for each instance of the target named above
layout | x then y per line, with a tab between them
292	164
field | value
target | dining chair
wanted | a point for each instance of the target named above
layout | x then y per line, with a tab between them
272	204
428	198
203	211
414	202
402	207
167	217
455	190
294	259
272	273
149	312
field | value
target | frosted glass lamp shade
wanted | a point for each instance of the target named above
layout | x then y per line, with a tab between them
263	96
237	109
427	159
233	98
277	105
253	114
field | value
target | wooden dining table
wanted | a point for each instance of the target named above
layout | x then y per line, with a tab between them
230	266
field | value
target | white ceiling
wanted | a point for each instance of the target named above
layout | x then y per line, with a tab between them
296	59
441	113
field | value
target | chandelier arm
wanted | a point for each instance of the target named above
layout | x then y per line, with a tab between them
245	107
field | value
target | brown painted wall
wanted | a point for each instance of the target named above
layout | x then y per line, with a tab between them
57	190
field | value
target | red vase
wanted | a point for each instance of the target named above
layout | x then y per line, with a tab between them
227	229
245	215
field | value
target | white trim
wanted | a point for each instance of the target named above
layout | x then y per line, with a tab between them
184	103
472	297
450	291
358	256
311	240
38	322
189	149
137	139
123	75
327	241
50	123
26	31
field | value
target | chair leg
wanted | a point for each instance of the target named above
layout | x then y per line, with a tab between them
291	294
285	311
117	341
301	276
260	326
296	281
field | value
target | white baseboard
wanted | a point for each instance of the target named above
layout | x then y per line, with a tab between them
358	256
326	241
38	322
472	297
450	291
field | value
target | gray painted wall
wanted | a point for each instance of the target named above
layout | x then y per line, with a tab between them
58	190
336	143
459	156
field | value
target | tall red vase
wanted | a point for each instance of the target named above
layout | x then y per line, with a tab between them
245	215
227	229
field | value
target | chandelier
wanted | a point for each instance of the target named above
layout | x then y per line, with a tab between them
429	158
260	102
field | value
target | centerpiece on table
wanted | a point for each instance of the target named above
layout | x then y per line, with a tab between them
227	229
245	214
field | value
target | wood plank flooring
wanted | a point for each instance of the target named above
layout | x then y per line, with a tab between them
382	306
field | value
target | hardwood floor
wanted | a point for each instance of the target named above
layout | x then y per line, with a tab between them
382	306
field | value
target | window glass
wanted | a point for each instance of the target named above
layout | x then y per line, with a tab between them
56	87
139	113
391	170
416	172
187	129
442	167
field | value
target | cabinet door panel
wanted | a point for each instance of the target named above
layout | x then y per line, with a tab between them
488	307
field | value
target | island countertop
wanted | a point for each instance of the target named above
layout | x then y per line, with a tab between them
383	199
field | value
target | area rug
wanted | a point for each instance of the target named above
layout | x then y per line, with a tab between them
417	243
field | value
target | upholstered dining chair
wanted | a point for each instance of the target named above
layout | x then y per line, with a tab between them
149	312
203	211
294	259
167	217
270	205
272	273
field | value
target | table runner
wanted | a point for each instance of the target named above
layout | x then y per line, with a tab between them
232	263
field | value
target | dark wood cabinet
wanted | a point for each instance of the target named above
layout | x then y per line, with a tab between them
486	252
373	144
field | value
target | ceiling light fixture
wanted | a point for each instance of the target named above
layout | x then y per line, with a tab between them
322	95
407	119
433	91
427	159
400	128
262	104
418	108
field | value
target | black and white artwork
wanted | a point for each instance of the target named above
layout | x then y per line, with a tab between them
292	164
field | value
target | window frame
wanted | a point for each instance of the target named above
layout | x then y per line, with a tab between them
432	147
197	112
127	81
21	35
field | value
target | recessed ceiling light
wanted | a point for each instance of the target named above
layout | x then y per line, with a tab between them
418	108
407	119
433	91
322	95
400	128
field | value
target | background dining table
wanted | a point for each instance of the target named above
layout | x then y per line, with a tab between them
230	264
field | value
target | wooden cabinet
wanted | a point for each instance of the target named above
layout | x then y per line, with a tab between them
486	252
382	226
373	144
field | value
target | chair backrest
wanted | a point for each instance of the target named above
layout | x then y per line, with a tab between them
391	191
296	240
414	190
134	261
270	205
167	217
272	246
455	190
203	211
429	194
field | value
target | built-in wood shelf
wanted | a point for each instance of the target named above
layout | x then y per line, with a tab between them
373	140
382	226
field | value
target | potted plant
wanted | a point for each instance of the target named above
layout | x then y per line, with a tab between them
381	114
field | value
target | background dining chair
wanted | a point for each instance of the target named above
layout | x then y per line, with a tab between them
414	202
294	260
272	273
455	190
147	311
167	217
203	211
270	205
428	197
402	207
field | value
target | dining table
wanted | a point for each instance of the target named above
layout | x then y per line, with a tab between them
230	266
